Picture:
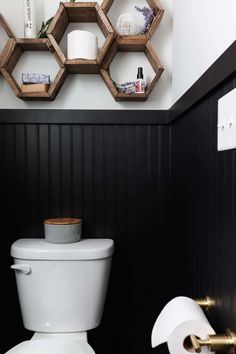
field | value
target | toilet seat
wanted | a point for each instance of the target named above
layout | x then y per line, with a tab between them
53	346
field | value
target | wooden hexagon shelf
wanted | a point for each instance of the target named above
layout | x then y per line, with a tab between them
14	50
9	33
158	11
142	46
80	12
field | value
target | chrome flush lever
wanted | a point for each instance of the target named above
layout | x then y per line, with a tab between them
24	268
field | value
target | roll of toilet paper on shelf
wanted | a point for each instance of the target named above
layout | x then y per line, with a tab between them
180	318
82	45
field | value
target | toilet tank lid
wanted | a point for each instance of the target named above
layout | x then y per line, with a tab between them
40	249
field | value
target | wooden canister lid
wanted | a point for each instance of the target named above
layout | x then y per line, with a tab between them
62	221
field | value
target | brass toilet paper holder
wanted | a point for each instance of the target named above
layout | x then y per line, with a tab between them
216	342
206	303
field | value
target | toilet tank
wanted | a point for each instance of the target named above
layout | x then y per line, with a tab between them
62	288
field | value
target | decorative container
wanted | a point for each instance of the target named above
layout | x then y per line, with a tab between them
63	230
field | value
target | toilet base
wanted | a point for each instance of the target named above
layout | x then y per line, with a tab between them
54	343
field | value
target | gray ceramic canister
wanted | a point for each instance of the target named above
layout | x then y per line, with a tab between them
63	230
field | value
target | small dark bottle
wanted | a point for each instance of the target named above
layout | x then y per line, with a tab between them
140	83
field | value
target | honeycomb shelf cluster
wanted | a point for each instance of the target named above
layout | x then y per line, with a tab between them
81	12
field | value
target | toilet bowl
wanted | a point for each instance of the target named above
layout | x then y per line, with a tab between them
51	344
61	289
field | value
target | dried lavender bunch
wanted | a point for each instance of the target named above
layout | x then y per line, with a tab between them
148	14
127	87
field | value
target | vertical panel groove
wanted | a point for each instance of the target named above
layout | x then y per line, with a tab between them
82	171
93	180
104	178
38	186
71	170
60	170
49	169
115	179
159	158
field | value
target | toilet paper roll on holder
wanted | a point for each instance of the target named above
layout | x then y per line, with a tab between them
216	342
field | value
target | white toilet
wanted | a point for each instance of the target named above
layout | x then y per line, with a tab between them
62	289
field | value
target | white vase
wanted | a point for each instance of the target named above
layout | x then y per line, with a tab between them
29	19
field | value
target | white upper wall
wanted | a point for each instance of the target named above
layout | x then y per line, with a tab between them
89	91
202	31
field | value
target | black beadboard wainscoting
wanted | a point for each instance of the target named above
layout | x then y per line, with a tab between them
204	205
163	192
116	178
